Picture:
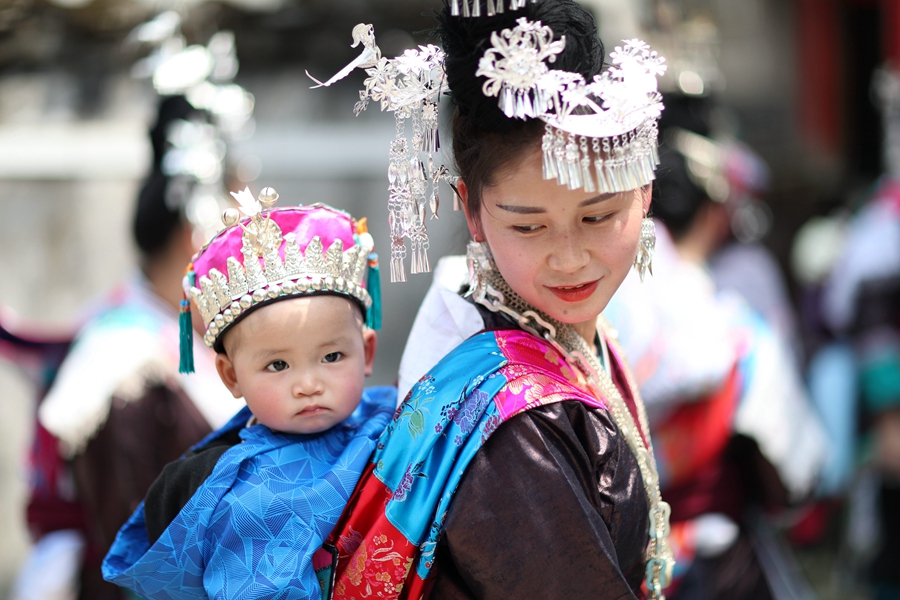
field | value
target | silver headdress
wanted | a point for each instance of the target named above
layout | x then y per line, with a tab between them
609	122
409	86
274	253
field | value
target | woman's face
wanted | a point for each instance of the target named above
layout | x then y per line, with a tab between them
563	251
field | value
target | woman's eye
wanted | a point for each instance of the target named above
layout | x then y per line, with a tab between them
596	219
526	228
332	357
277	365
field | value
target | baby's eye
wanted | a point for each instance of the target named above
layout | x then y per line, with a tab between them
526	228
277	365
332	357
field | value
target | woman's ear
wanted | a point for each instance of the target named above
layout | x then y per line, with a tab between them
226	373
647	192
370	344
463	191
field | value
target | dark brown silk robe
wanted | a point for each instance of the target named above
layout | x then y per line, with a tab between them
552	507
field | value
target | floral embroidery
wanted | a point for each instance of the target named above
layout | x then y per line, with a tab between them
502	343
388	564
535	387
477	381
516	383
407	481
468	414
377	569
490	425
349	543
357	566
448	411
429	546
411	410
551	356
570	376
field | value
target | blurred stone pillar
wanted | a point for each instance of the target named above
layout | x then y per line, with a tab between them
819	57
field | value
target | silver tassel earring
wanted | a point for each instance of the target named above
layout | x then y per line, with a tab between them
480	263
643	262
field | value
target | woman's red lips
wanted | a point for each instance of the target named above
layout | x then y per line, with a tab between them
575	293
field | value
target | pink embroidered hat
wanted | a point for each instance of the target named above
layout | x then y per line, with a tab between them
270	254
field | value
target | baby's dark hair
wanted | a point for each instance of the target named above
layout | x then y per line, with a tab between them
485	141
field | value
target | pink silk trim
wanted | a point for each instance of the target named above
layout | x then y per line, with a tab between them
537	375
304	221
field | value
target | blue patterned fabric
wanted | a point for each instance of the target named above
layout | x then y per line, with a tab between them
251	530
455	400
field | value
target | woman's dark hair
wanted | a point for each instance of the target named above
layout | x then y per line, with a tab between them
158	212
484	139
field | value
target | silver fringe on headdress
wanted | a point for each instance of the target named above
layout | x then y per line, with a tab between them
493	7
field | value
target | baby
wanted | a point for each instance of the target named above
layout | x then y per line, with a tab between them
244	512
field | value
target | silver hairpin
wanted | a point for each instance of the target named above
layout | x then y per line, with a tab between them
410	86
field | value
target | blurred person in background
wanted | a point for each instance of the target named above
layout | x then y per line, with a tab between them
735	433
117	410
855	371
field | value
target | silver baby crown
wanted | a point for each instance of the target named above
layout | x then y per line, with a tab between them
221	299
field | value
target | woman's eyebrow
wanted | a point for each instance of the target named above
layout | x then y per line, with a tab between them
596	199
534	210
522	210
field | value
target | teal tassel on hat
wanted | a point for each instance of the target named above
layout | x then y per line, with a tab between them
373	286
186	332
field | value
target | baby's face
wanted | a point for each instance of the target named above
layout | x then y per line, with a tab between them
299	363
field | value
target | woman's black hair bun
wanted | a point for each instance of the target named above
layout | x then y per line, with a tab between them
158	211
465	40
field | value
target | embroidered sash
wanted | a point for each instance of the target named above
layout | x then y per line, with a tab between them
386	538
